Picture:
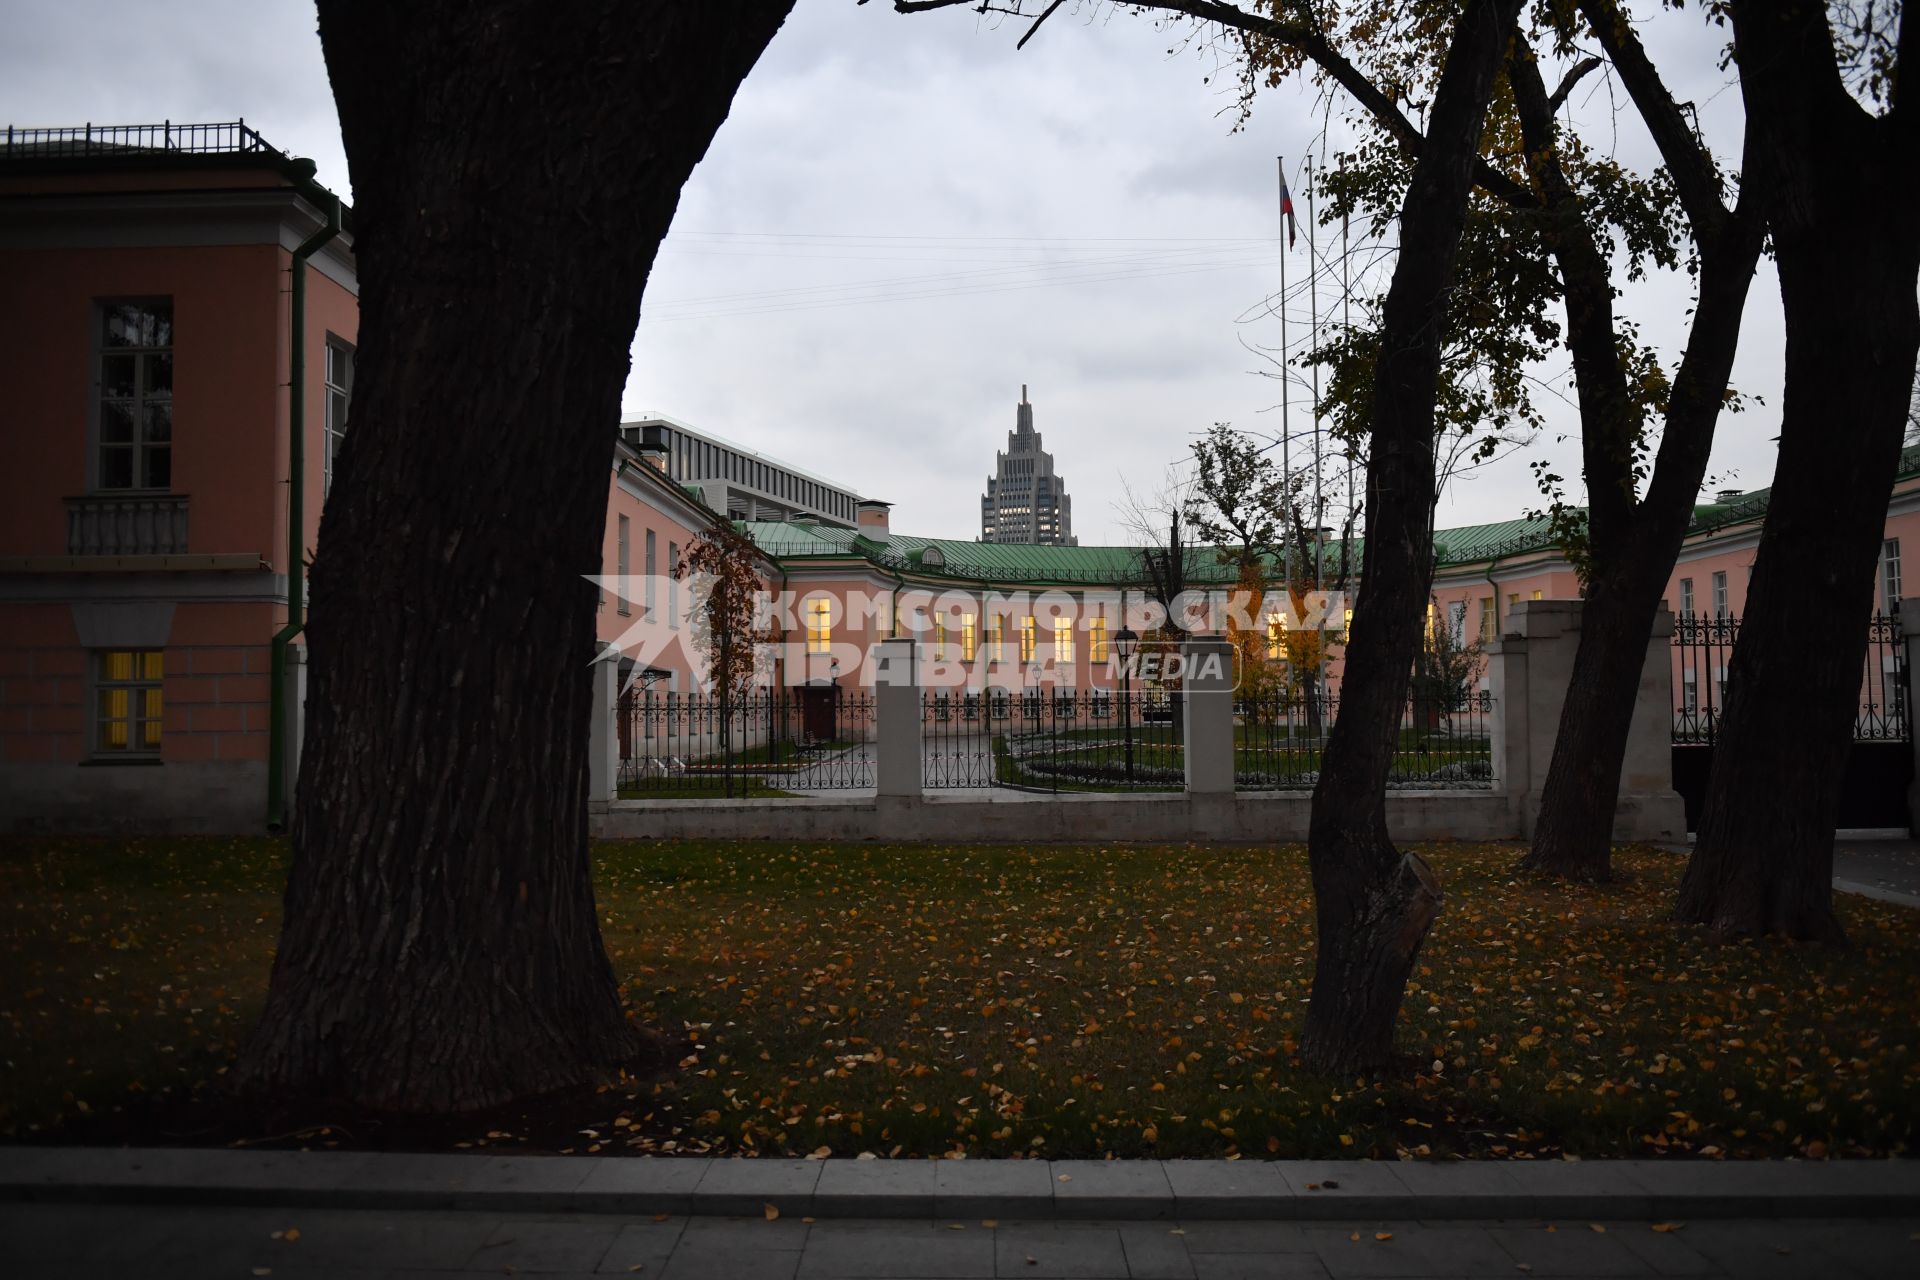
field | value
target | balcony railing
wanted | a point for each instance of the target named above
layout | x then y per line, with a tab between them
73	141
131	524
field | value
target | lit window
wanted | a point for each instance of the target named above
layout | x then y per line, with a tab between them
1097	640
1538	594
1029	638
940	639
967	637
1063	639
136	396
127	706
339	383
819	625
1276	635
996	641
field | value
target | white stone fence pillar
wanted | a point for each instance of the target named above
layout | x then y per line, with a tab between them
1206	710
603	735
1529	670
896	719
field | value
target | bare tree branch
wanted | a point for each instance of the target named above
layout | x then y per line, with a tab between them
1575	74
1048	13
1695	178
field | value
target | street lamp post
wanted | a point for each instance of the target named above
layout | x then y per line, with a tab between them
1124	641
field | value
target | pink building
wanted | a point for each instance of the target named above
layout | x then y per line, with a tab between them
144	540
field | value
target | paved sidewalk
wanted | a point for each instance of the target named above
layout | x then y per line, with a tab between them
161	1242
1884	869
958	1190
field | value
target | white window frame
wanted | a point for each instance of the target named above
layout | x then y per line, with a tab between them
623	564
339	393
1890	585
137	446
139	712
1720	597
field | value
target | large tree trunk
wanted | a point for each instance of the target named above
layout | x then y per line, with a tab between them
1373	904
1632	545
515	166
1840	196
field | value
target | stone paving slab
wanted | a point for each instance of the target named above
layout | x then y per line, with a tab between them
161	1242
1113	1190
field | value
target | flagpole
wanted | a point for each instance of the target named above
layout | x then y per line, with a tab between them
1346	335
1286	435
1313	302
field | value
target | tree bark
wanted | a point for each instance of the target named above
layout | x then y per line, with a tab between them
1839	196
1373	904
515	166
1632	544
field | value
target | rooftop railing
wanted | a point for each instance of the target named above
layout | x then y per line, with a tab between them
230	137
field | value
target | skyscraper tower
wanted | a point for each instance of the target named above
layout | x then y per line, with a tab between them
1025	500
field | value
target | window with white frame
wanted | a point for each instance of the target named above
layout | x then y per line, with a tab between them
1686	597
127	703
1063	639
1457	622
623	565
652	568
1690	689
135	435
339	384
820	625
1720	594
673	585
1890	596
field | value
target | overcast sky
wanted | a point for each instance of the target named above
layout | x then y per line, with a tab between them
905	220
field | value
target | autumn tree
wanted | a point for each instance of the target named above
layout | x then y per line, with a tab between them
1837	167
515	166
724	567
1374	904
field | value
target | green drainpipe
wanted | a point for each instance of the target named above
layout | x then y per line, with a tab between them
296	505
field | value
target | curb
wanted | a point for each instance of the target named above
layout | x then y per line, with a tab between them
1117	1190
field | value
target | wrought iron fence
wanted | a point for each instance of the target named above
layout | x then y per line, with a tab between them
110	139
1443	743
1053	739
767	743
1702	656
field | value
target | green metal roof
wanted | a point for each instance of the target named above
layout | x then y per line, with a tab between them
1030	564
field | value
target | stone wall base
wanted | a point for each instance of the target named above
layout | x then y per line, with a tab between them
217	798
1277	818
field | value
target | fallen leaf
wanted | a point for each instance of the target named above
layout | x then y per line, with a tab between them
1664	1227
1383	1235
770	1211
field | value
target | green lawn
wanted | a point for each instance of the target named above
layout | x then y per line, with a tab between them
1058	1001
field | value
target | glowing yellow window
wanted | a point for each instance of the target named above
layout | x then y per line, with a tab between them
940	639
1029	638
819	625
127	709
967	637
1538	594
1096	640
1063	639
996	641
1276	634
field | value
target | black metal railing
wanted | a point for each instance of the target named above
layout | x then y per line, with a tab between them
766	743
1703	656
1442	743
1053	740
72	141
